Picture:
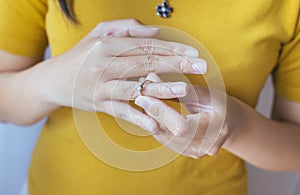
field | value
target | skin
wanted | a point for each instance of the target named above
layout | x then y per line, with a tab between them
271	144
44	87
34	90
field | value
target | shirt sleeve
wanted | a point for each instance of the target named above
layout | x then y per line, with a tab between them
286	77
22	27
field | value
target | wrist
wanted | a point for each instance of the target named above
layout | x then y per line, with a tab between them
42	80
238	120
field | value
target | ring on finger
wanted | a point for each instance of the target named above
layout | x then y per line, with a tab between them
142	86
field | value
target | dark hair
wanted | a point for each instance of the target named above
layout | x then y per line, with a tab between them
67	8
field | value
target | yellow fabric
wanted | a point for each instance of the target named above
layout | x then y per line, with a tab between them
22	27
287	74
244	37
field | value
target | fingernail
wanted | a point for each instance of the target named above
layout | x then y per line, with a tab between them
191	53
179	89
199	66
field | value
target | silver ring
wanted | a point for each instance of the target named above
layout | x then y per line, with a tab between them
142	85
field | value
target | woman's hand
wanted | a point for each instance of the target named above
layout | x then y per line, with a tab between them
92	75
187	134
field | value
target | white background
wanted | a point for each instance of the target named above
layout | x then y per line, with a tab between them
16	145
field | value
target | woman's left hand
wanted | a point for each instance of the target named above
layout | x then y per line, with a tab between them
188	134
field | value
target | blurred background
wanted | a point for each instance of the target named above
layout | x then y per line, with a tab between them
17	143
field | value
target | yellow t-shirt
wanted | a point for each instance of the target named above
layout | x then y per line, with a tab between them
248	39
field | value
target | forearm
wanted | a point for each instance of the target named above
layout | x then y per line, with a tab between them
266	143
23	95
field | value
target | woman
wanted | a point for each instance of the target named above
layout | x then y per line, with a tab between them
248	40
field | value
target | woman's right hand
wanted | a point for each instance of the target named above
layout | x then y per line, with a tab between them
118	50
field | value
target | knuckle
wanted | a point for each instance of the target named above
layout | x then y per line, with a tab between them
148	46
180	63
171	50
159	91
148	63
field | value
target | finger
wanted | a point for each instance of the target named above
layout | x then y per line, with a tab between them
123	28
128	90
163	114
128	46
155	78
126	112
136	66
